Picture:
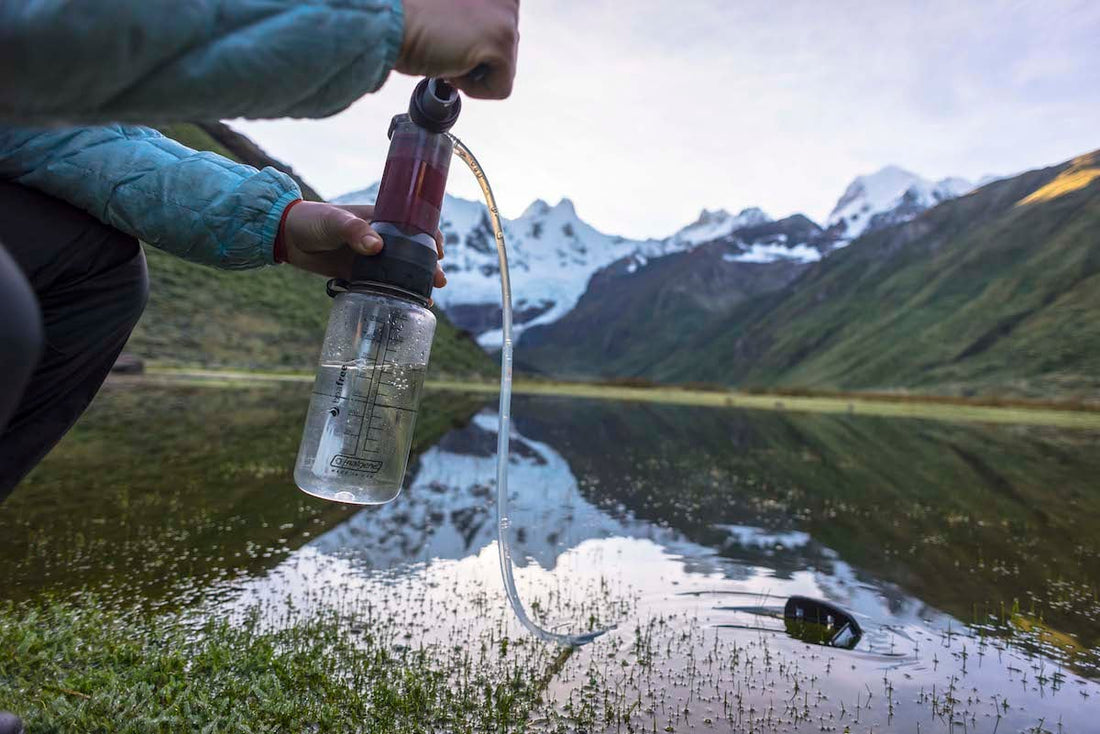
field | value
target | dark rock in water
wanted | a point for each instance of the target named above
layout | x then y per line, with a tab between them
10	723
820	622
128	364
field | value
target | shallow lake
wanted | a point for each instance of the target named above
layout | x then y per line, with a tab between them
969	554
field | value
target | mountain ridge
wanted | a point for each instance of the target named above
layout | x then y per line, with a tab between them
988	293
889	196
554	253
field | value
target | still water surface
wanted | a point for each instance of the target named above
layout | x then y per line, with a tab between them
969	554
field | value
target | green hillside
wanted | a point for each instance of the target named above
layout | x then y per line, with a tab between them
627	320
273	318
995	292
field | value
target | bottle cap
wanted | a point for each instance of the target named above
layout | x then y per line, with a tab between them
435	105
405	263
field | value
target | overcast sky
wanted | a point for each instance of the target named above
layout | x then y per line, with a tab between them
646	111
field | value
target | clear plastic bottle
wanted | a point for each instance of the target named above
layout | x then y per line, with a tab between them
359	428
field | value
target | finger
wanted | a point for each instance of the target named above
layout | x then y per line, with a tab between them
438	245
495	85
492	78
440	277
356	233
363	211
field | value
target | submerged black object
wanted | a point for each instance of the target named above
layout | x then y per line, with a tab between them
10	723
821	622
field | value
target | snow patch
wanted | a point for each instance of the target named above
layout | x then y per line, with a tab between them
748	536
713	225
769	253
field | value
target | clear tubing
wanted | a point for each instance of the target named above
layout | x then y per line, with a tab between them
504	426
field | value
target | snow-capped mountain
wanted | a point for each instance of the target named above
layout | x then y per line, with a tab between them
551	255
637	309
889	196
713	225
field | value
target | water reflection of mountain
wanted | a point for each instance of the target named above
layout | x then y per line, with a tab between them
963	517
448	512
971	518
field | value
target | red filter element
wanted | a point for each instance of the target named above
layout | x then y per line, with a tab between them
413	182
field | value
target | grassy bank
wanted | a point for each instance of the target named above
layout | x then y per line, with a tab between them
75	667
912	406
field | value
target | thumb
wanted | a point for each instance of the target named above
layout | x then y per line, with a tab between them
341	227
487	81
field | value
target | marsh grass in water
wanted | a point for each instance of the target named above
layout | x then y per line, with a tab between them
226	600
75	666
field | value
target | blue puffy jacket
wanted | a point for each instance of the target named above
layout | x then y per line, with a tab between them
149	61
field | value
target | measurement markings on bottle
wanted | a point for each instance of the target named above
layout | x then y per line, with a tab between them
363	398
364	443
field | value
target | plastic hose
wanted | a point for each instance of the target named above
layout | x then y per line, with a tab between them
504	425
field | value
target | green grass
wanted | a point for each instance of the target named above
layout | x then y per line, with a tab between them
673	395
79	666
912	407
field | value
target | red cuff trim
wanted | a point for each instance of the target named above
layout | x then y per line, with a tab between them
279	251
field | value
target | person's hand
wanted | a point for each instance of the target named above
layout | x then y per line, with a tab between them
451	38
325	238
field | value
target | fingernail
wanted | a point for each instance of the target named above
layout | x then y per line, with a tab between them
372	242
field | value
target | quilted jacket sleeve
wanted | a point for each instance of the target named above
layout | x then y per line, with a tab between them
200	206
151	61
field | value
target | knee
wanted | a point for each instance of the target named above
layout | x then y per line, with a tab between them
22	336
139	283
131	279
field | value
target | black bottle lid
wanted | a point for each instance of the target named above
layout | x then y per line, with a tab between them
403	263
435	105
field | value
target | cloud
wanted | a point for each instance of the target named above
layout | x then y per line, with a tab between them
645	112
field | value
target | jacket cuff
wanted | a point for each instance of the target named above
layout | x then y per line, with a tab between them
395	39
274	219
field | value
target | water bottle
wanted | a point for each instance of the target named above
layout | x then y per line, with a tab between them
359	429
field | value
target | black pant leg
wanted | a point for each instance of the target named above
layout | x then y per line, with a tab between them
20	335
91	284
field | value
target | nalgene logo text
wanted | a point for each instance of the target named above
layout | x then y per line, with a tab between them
355	464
